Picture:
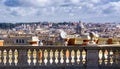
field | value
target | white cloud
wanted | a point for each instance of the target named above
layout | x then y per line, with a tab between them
58	10
88	5
47	11
37	3
116	6
95	1
75	1
23	11
110	8
42	3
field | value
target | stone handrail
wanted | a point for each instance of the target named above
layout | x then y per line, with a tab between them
84	56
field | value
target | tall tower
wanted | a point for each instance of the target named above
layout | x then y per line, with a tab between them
80	28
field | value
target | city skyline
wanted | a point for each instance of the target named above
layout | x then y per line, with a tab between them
59	10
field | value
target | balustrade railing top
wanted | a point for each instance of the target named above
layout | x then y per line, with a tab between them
59	55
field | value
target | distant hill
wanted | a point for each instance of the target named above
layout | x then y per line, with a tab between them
13	25
7	25
10	25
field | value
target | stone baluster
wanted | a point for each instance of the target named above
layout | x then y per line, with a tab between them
78	56
100	57
34	57
56	56
111	57
61	57
45	57
106	57
83	56
29	56
40	56
72	57
67	56
4	57
10	55
15	57
51	57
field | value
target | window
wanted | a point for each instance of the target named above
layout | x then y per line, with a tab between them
17	40
23	41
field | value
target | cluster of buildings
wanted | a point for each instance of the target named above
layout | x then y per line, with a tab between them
35	34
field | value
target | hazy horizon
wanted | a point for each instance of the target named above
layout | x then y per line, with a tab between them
96	11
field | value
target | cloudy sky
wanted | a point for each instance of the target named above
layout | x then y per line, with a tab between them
59	10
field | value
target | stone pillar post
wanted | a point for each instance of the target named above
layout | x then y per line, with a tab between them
22	57
92	58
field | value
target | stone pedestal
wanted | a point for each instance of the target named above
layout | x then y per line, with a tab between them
22	58
92	59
